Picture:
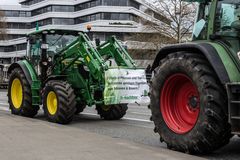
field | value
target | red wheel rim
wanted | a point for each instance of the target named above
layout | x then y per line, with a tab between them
179	103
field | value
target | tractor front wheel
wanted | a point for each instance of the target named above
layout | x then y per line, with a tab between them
59	103
189	105
112	112
20	95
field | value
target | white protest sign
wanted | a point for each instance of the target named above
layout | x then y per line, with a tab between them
126	86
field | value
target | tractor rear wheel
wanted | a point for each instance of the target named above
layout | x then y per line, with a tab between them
59	103
112	112
189	105
19	95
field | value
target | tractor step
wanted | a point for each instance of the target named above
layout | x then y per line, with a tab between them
233	91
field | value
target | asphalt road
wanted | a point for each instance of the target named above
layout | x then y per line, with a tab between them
135	127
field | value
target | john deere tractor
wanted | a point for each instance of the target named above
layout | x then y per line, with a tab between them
195	89
64	72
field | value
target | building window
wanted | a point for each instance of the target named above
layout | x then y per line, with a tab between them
42	10
134	4
14	36
12	48
63	21
42	23
17	13
95	3
106	16
87	5
119	16
59	8
20	47
115	2
54	8
31	2
12	25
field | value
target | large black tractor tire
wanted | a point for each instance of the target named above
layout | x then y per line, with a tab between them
189	104
112	112
59	103
19	95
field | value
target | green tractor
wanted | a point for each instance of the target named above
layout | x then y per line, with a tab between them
64	72
195	89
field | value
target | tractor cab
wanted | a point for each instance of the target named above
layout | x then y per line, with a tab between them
218	21
48	43
43	46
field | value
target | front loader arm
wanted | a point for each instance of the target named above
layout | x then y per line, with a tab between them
82	48
114	49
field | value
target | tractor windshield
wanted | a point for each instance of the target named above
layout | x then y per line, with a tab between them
228	12
57	42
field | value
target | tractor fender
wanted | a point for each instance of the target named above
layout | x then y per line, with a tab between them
55	77
26	70
206	49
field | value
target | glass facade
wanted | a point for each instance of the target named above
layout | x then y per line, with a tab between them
94	3
53	8
115	2
44	22
59	8
87	5
31	2
84	19
102	15
62	21
14	36
106	16
12	25
42	10
17	47
17	13
64	8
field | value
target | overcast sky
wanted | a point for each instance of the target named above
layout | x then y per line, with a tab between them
7	2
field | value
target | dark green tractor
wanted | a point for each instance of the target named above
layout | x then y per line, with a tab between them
64	72
195	89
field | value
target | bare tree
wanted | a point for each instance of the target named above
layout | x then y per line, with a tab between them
178	17
2	26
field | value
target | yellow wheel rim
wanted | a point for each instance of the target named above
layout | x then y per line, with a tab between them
52	103
16	93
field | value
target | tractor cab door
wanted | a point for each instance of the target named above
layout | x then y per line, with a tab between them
200	31
34	51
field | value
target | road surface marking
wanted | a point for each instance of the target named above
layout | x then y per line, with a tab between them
4	109
4	104
90	114
132	119
144	114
